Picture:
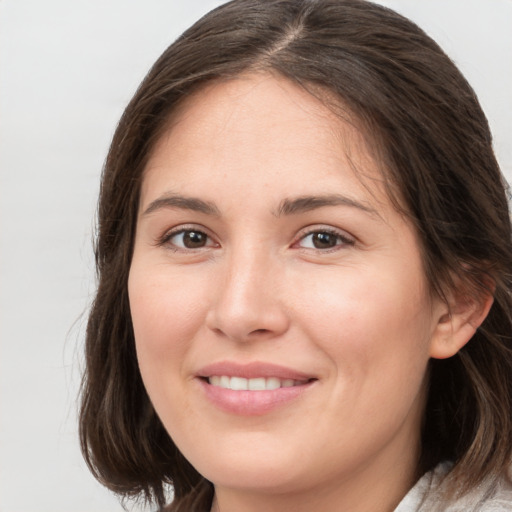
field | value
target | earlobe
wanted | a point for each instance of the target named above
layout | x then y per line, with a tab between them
457	323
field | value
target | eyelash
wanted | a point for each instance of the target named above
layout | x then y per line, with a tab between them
165	240
342	239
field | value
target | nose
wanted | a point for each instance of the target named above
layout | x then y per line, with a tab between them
249	303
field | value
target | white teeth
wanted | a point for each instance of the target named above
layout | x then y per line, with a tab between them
273	383
256	384
238	383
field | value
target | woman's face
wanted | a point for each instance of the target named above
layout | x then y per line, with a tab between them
282	319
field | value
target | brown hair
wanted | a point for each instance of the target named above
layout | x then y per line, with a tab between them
430	133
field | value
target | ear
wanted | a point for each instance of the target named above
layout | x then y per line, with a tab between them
457	321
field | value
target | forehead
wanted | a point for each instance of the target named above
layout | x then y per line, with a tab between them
266	99
265	127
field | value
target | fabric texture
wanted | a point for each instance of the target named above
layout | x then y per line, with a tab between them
425	496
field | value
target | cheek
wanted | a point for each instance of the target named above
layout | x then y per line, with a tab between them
166	314
375	327
375	332
167	311
363	307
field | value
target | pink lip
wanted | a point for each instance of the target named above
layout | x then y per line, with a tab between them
252	371
252	403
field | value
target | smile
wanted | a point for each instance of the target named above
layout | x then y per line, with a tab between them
256	388
254	384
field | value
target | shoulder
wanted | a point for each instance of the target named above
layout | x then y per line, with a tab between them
500	500
426	496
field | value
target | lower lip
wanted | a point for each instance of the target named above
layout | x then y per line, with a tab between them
252	403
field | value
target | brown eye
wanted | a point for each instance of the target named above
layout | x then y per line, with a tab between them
323	240
194	239
189	239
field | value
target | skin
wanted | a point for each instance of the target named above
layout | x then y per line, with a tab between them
356	315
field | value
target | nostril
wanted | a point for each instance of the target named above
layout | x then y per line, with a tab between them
239	322
259	331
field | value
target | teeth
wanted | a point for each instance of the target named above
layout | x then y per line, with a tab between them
238	383
273	383
257	384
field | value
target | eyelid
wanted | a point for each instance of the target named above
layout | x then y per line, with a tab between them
164	239
347	239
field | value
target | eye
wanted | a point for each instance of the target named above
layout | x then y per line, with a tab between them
324	240
187	239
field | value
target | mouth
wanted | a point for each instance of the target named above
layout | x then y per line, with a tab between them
253	384
253	389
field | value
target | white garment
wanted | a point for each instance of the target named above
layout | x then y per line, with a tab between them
424	498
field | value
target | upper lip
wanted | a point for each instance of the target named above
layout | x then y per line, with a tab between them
251	370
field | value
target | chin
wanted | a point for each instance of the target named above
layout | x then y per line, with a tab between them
266	469
268	479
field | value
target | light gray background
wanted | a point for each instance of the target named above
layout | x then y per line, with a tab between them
67	69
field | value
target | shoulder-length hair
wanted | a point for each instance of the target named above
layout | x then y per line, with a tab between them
429	133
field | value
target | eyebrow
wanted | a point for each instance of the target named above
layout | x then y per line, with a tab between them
286	207
307	203
183	202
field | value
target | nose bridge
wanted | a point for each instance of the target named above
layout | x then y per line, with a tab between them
247	302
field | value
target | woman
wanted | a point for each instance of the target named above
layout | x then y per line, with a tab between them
304	258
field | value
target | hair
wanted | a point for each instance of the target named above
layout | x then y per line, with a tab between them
430	135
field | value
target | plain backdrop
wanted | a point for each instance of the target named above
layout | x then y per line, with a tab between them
67	69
